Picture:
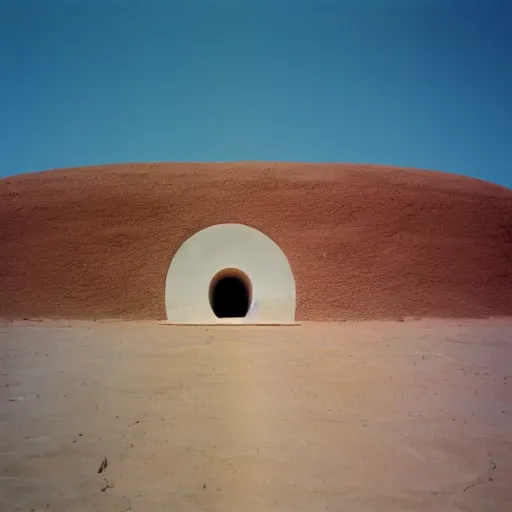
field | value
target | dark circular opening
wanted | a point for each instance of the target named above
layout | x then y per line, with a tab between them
230	294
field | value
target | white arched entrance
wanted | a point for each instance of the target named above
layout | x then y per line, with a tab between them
230	273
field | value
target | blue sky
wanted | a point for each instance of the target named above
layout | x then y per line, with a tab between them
401	82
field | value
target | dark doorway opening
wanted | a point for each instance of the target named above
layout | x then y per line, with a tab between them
230	294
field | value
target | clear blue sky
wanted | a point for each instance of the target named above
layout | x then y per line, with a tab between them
421	83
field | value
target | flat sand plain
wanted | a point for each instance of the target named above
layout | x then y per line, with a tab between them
362	416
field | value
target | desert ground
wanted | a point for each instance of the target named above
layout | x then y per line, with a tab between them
355	416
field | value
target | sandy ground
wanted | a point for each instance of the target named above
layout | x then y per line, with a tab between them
411	416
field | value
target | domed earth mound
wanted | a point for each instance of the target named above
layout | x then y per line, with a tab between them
362	241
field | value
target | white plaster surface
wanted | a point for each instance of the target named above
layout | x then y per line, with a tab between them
224	246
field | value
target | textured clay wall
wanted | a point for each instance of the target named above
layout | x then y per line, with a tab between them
363	241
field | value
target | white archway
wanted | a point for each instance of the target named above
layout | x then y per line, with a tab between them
238	251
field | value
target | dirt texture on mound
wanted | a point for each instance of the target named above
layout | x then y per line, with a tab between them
363	241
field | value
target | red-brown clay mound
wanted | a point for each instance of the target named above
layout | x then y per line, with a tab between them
363	241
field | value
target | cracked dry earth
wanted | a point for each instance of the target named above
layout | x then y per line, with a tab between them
370	416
